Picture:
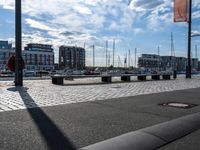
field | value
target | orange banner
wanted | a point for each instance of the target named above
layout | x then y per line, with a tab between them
181	10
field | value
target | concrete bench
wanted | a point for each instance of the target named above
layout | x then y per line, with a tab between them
126	78
57	80
155	77
142	77
106	79
69	78
166	76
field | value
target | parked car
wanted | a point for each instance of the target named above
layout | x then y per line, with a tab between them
29	74
6	74
42	73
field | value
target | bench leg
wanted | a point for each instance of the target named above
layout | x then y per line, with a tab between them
155	77
166	77
58	81
126	78
142	78
106	79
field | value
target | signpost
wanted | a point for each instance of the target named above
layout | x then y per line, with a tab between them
18	45
189	68
183	13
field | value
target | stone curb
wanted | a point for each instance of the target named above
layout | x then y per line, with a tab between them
151	137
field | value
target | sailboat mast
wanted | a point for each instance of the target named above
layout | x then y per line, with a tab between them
106	53
129	54
113	53
135	57
93	56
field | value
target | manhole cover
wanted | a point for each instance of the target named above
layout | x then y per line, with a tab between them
117	87
179	105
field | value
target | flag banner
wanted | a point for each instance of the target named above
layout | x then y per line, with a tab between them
181	10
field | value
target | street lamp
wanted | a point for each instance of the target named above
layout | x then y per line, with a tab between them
18	45
188	68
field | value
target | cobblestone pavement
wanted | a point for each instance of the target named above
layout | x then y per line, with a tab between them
40	93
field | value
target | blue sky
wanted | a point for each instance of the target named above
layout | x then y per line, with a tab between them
143	24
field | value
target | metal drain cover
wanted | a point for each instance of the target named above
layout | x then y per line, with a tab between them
179	105
117	87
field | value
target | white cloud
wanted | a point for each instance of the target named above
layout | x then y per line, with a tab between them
82	9
38	25
196	15
138	30
73	22
195	32
7	4
144	5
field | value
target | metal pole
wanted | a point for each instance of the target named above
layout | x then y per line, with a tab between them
113	53
129	53
93	56
135	57
118	62
172	62
18	45
106	53
108	58
158	58
188	68
196	54
76	58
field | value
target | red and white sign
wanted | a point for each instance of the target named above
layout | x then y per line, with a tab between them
181	10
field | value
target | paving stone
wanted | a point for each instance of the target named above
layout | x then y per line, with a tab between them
41	93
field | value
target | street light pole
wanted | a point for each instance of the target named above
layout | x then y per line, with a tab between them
18	45
189	68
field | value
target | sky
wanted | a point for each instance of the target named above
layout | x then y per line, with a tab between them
142	24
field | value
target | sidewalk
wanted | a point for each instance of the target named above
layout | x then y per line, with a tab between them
44	93
87	123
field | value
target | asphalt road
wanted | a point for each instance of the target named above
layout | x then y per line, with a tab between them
77	125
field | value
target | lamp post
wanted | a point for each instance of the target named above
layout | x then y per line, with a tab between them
18	45
189	68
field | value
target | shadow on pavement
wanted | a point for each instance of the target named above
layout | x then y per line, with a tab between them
53	136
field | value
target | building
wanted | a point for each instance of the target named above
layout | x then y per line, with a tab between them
181	63
36	56
198	66
151	62
168	63
71	57
194	64
6	51
5	45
